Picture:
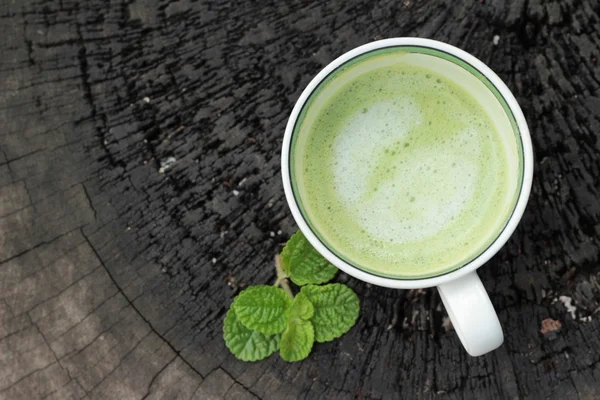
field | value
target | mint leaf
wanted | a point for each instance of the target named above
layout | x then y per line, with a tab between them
303	264
245	344
299	335
262	308
297	339
336	310
302	307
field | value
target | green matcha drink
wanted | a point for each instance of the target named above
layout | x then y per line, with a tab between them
399	170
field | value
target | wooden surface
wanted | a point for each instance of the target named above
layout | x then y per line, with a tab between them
115	275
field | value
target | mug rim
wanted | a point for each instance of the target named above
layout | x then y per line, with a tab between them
511	224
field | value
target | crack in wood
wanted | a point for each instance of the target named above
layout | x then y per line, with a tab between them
134	307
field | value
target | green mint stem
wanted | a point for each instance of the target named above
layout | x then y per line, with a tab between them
282	281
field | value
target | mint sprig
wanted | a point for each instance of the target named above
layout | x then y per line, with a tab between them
263	319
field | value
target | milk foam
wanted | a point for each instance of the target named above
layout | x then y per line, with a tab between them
377	209
364	137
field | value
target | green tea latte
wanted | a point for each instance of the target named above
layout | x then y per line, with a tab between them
399	170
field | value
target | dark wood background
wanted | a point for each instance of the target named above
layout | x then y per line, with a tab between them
115	274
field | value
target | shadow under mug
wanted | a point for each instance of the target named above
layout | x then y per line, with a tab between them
466	300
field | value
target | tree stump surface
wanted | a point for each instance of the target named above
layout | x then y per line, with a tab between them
140	189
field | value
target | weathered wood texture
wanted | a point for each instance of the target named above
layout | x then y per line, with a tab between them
114	274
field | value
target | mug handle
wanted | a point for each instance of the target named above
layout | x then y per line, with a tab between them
472	314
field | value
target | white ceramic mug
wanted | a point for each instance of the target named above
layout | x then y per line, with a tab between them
461	290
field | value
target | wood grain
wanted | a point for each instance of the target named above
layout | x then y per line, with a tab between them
114	273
